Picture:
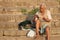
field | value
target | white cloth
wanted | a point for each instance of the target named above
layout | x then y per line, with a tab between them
47	13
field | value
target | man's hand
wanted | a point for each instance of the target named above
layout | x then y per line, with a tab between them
46	19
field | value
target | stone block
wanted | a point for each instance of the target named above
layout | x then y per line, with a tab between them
2	38
20	18
55	30
12	18
15	33
11	26
2	25
1	33
9	32
9	38
52	3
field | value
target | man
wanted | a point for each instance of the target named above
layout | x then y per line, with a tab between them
43	22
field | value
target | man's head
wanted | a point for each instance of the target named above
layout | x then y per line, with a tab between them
42	7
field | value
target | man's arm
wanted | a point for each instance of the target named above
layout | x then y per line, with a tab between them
48	19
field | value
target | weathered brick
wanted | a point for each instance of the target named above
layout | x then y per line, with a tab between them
22	33
24	38
55	31
1	32
2	38
8	26
20	18
56	16
15	33
52	3
2	25
12	18
9	38
56	10
9	32
11	26
57	24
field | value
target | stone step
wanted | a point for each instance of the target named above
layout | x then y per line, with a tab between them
23	32
15	38
15	32
10	26
12	17
14	26
20	3
28	38
20	17
52	3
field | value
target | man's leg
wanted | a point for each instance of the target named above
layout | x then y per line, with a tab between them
47	33
37	28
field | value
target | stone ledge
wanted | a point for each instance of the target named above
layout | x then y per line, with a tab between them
15	32
26	38
24	32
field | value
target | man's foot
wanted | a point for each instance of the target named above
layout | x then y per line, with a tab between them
46	38
37	37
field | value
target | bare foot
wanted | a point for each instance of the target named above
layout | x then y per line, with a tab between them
36	37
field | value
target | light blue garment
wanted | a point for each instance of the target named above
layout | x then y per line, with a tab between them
43	28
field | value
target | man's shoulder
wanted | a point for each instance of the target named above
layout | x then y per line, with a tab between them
48	11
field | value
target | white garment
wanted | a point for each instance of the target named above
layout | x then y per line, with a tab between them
47	13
